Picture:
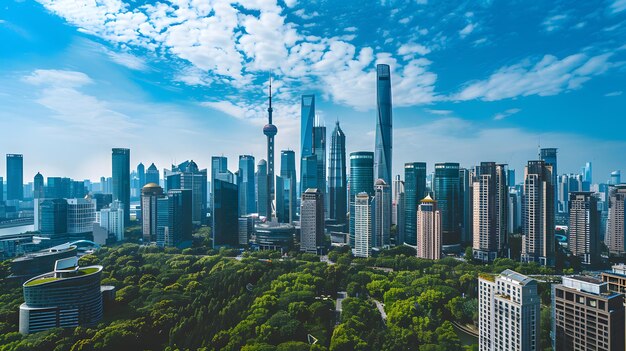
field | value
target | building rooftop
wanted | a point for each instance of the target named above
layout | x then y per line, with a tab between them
517	277
51	277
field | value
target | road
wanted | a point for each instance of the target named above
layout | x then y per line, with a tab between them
381	309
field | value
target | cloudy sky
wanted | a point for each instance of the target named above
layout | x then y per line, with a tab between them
187	79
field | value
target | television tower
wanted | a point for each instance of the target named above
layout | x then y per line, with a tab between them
270	131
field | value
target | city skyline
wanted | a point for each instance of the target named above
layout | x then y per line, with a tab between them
134	93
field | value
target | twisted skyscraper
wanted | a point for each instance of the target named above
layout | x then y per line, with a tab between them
384	134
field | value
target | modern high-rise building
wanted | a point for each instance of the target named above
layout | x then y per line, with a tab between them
587	316
39	188
381	214
510	177
466	181
319	150
262	193
447	193
616	278
538	214
288	192
188	176
81	215
152	175
15	177
361	180
149	195
112	220
246	185
384	131
490	217
225	219
584	227
174	219
312	221
414	192
308	172
121	180
270	131
52	221
397	209
307	121
362	224
68	297
508	313
141	175
548	155
428	230
588	173
616	178
337	192
615	237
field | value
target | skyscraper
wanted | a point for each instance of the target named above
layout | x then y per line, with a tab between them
538	214
508	313
52	218
465	198
414	191
428	230
362	223
616	178
187	175
225	219
616	227
270	132
337	201
490	205
584	227
384	133
121	180
287	213
38	186
15	177
381	214
141	174
1	189
307	120
587	316
262	190
174	219
81	214
112	220
446	188
149	195
361	180
548	155
246	185
312	221
308	172
152	175
588	173
397	209
319	150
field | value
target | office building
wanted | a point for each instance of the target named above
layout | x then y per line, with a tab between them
414	192
362	225
587	316
15	177
466	181
52	218
616	178
152	175
447	193
337	192
361	180
490	212
397	209
538	214
616	278
308	172
510	177
615	237
515	211
141	175
548	156
246	228
312	221
274	236
225	214
319	150
246	185
307	121
587	173
111	219
262	193
67	297
38	187
81	215
188	176
174	218
287	193
381	214
149	195
508	313
40	262
584	227
102	200
384	131
121	180
428	230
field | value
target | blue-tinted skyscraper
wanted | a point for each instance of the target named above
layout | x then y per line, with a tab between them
307	120
287	211
174	222
121	180
141	174
361	181
15	177
309	172
245	182
587	173
38	186
152	175
337	202
510	177
384	133
447	193
187	175
319	150
225	214
262	193
414	192
548	155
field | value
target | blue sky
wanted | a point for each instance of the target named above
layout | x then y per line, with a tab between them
174	80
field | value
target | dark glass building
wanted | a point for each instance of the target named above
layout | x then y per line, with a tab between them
152	175
361	180
286	213
337	201
121	179
141	174
174	220
53	217
309	172
414	192
262	190
319	150
307	120
38	186
225	219
446	188
548	155
246	185
188	176
384	132
15	177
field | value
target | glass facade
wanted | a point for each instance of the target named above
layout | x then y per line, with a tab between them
337	202
225	219
261	190
414	192
361	180
446	188
174	220
121	180
319	149
246	183
287	212
15	177
187	176
384	132
53	217
152	175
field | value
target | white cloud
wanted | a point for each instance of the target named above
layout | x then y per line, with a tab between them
505	114
127	60
618	6
555	22
614	93
548	76
467	30
412	48
58	78
439	112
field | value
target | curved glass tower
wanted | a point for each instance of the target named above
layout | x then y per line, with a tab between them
384	134
361	181
446	189
337	204
414	191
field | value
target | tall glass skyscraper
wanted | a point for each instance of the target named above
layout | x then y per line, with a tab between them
261	191
446	189
361	181
308	172
319	149
39	189
245	183
188	176
141	174
288	191
337	204
15	177
548	155
414	192
307	120
152	175
384	133
121	180
225	219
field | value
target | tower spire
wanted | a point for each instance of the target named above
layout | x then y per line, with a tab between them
270	109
